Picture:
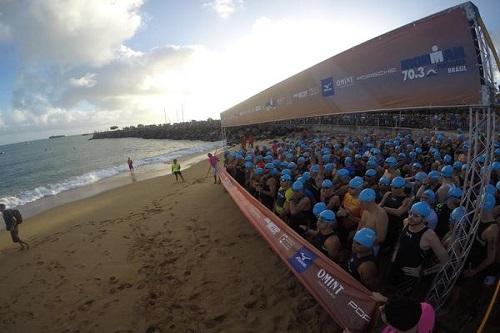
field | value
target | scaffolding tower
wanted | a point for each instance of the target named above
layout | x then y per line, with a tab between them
481	140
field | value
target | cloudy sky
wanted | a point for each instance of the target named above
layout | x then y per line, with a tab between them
75	66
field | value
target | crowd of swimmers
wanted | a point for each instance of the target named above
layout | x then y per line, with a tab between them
384	208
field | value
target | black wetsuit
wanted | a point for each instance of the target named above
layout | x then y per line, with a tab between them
319	241
267	200
395	223
479	249
354	262
409	255
443	214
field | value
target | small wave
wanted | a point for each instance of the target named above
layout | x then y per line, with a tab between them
97	175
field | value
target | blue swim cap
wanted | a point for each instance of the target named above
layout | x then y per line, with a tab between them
275	172
417	165
413	155
306	175
348	161
315	168
498	185
398	182
465	167
285	178
298	186
490	189
457	214
301	160
327	183
434	175
481	159
277	163
420	176
356	182
327	216
457	165
489	202
384	181
292	165
284	165
328	167
370	173
421	208
343	173
447	159
326	158
269	166
248	165
248	158
289	156
318	208
259	171
258	158
286	172
366	237
495	166
367	195
447	171
391	161
371	164
301	179
455	192
402	155
430	194
418	150
268	158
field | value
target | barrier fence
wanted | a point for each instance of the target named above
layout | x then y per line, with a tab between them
346	300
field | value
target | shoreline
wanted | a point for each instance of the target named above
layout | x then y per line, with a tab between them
31	209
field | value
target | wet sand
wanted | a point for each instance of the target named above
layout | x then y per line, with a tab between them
152	256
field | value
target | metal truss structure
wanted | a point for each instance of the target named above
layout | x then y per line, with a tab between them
482	121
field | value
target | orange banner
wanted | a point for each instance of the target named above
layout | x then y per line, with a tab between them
346	300
432	62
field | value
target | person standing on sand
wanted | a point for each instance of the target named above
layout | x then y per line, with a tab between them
213	160
130	165
12	218
176	170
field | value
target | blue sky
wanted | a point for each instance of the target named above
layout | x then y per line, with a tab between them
70	67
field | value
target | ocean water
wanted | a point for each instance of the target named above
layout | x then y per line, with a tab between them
34	170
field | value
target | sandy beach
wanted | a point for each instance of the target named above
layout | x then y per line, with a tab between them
152	256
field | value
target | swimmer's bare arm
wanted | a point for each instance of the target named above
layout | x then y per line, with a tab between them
384	198
367	273
491	237
300	206
332	244
381	228
430	239
403	209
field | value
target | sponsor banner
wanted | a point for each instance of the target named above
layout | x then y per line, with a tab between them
430	62
346	300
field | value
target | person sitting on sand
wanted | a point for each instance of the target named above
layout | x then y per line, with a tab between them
12	218
176	170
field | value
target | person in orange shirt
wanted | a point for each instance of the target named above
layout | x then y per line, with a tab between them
350	211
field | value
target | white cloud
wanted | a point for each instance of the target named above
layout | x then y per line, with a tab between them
224	8
133	87
88	81
70	32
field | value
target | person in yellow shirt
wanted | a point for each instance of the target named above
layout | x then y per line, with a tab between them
176	170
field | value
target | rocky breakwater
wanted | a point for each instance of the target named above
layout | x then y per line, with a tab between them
208	130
